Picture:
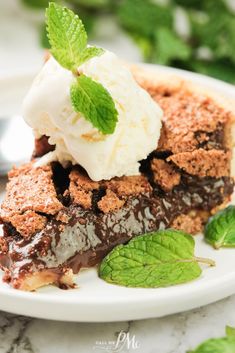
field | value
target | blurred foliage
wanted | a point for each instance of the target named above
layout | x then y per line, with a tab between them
207	47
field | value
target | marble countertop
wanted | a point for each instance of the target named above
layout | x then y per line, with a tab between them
172	334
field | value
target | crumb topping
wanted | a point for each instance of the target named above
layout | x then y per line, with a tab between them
32	188
81	187
129	185
188	224
212	163
184	115
62	216
28	223
116	190
3	245
110	202
164	174
29	189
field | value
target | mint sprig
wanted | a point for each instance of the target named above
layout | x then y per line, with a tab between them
218	345
68	40
66	34
158	259
220	229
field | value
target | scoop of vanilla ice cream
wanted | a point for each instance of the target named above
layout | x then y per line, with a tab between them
47	109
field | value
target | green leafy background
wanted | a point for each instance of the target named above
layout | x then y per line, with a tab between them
208	46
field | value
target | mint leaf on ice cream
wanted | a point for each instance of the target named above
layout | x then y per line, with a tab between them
67	35
95	103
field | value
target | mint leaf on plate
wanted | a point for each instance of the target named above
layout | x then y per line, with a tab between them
220	229
67	35
218	345
96	104
157	259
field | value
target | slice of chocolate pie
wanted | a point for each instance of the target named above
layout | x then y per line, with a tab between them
57	220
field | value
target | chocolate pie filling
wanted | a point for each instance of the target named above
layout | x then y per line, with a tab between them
89	235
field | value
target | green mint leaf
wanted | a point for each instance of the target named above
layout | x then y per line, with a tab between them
216	345
89	53
67	35
68	40
230	331
95	103
220	229
158	259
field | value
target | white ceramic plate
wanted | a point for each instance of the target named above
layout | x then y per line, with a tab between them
96	301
